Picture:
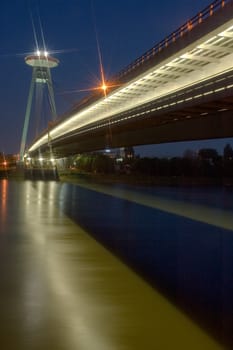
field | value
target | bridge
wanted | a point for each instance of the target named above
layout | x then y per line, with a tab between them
179	90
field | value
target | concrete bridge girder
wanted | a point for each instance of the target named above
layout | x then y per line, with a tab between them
191	59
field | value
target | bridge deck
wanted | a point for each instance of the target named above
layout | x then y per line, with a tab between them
187	76
61	290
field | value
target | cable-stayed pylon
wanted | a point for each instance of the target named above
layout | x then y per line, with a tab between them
41	64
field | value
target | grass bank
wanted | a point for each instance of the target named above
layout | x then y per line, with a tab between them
142	180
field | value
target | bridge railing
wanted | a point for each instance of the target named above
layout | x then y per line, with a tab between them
186	27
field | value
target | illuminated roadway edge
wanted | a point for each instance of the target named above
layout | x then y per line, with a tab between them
196	59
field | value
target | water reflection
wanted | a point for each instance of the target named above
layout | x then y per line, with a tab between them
192	208
61	289
3	202
182	248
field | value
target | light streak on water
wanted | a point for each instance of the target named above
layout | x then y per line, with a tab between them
68	292
212	216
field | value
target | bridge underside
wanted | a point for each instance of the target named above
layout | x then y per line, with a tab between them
208	121
203	111
183	93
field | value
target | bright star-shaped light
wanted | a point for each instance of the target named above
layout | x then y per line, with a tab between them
42	53
104	87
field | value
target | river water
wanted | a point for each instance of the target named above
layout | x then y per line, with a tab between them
179	241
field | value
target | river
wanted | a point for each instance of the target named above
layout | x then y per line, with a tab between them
179	241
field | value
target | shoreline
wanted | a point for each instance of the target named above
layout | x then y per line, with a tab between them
140	180
127	179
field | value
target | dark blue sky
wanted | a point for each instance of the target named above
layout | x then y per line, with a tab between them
126	29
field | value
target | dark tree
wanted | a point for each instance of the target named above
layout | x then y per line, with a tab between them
208	154
228	152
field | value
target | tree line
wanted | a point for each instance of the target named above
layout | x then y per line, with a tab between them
205	163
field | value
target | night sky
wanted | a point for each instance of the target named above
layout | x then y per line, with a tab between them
125	30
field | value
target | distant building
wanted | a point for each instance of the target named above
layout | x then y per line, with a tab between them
129	153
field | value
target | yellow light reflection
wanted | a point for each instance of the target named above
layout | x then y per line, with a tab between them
69	280
212	216
3	203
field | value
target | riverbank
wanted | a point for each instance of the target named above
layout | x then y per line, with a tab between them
11	173
140	180
127	179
